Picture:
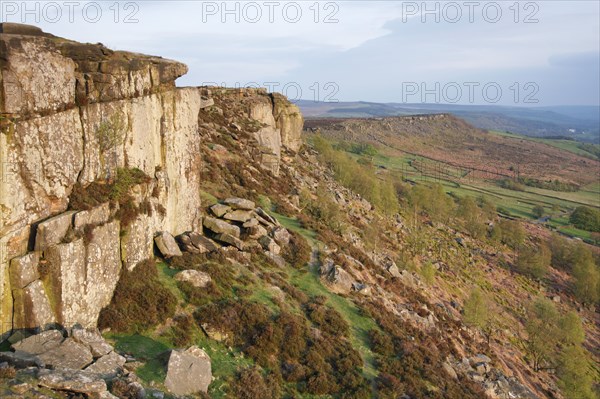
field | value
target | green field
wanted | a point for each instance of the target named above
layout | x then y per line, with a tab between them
519	204
567	145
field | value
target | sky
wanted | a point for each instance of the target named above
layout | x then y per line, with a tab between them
526	53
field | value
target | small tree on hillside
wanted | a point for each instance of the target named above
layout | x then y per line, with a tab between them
533	261
509	232
538	211
477	313
543	332
574	375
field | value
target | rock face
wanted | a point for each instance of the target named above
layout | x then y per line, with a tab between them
188	371
60	100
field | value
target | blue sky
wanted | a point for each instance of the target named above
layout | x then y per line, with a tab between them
534	53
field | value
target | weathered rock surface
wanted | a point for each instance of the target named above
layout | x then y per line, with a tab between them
108	365
70	354
238	216
240	203
202	243
37	312
137	243
269	245
231	240
53	230
60	96
97	215
188	371
93	340
219	210
288	119
40	343
72	381
219	226
23	270
167	245
196	278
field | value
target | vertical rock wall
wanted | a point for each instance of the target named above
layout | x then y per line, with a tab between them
60	104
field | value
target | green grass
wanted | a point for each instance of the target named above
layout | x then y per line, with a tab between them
207	198
295	225
151	351
165	275
225	363
288	222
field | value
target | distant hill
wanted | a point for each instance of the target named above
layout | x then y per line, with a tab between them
449	139
580	123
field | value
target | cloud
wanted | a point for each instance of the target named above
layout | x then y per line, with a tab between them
369	50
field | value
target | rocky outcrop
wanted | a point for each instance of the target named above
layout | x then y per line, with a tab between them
73	114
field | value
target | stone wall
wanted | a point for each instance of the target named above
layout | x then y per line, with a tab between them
58	100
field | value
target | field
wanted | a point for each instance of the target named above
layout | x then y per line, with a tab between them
470	162
567	145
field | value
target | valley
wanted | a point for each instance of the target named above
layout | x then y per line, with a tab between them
471	162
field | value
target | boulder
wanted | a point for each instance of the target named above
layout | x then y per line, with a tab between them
479	358
196	278
340	280
219	210
240	203
72	381
92	339
269	245
390	266
188	372
266	217
23	270
450	371
281	236
68	355
481	368
40	343
278	259
326	267
255	232
251	223
231	240
167	245
219	226
107	366
52	231
238	215
362	288
204	244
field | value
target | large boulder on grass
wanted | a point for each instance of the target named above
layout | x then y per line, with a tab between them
188	372
194	277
